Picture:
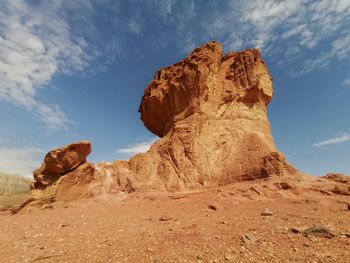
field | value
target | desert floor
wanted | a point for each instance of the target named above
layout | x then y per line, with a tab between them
204	226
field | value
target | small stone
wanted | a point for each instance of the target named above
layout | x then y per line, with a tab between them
266	212
319	231
48	256
212	207
230	258
249	238
313	238
316	231
47	206
298	230
165	218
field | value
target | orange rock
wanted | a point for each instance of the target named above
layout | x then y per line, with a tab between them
337	177
60	161
75	184
209	110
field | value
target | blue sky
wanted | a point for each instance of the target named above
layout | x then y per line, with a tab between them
73	70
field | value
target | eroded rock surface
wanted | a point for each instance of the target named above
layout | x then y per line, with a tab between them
209	110
59	162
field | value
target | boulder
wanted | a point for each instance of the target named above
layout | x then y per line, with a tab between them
60	161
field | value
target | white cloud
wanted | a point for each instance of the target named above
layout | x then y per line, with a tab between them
164	7
37	41
134	27
339	139
40	39
20	160
266	16
305	23
136	148
287	31
346	82
341	46
340	49
32	49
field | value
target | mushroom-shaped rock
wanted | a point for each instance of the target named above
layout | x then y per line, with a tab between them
60	161
210	111
205	82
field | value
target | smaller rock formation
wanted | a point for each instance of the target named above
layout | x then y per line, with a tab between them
59	162
337	177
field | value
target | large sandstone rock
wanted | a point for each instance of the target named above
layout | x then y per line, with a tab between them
60	161
209	110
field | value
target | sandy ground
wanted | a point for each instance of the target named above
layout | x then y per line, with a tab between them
198	227
7	200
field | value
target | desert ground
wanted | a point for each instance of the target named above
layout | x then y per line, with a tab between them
235	223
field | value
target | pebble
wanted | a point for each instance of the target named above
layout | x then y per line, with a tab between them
266	212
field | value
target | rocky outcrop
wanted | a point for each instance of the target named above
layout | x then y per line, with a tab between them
343	183
209	110
337	177
59	162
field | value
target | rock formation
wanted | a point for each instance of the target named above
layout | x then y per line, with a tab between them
59	162
209	110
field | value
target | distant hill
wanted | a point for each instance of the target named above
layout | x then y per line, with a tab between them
13	184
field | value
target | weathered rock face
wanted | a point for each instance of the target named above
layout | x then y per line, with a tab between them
210	112
206	83
60	161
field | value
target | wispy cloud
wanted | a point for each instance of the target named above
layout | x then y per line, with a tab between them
164	7
20	160
346	82
340	49
339	139
287	31
38	41
134	27
33	47
137	147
